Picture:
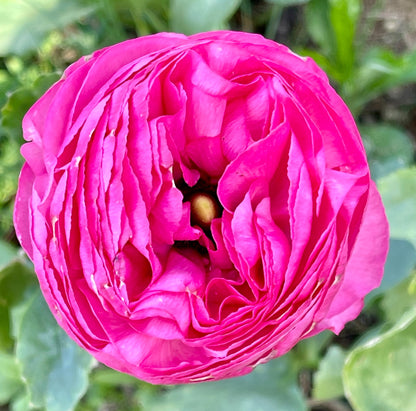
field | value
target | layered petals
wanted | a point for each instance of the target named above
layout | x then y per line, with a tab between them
289	239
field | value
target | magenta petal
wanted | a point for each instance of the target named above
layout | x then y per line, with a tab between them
207	153
254	163
245	238
22	211
364	269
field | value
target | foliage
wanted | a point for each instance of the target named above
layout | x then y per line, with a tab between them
270	387
187	18
388	360
361	74
43	348
370	365
399	196
25	23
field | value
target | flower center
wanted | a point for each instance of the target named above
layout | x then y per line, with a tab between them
204	208
204	203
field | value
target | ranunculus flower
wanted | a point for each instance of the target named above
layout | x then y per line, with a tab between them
195	206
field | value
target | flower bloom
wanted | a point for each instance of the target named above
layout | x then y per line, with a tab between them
195	206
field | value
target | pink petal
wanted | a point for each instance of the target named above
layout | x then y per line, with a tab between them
364	269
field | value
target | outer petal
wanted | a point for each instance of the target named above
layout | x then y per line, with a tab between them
364	270
21	210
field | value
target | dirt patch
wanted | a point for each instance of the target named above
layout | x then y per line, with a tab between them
393	23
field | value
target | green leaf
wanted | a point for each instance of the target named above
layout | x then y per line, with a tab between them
54	368
319	26
388	148
13	111
379	71
10	382
15	280
322	61
107	376
287	3
7	82
398	300
7	254
398	191
6	341
11	161
343	17
308	352
401	260
148	15
20	101
21	403
381	374
270	387
332	26
193	16
328	379
25	23
10	165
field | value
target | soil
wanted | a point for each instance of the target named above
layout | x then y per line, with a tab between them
392	24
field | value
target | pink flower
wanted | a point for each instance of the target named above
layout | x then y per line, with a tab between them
195	206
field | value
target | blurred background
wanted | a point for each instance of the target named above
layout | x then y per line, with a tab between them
367	48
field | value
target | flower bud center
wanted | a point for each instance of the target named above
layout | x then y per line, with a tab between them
204	208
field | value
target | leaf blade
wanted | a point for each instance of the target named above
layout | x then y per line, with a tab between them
389	361
55	369
193	16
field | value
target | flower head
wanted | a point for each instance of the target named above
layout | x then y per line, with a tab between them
197	205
